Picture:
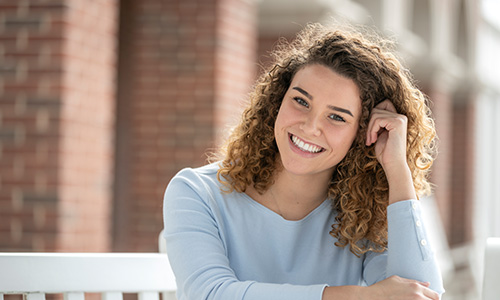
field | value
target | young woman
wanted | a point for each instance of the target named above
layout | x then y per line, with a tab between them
316	193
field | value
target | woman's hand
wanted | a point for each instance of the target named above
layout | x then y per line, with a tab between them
388	130
398	288
392	288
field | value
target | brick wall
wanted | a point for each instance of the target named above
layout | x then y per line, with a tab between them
462	173
87	125
56	119
441	175
453	171
235	61
184	67
29	110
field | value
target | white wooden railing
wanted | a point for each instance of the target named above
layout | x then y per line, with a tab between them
74	274
491	283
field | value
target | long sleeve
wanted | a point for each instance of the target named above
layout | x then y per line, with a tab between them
409	253
199	258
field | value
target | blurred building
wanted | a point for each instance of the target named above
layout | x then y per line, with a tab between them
103	101
487	133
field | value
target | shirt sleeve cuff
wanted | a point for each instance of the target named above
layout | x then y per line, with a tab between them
405	223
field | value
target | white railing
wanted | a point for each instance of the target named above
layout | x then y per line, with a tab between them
491	283
74	274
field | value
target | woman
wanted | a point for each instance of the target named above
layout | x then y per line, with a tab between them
316	193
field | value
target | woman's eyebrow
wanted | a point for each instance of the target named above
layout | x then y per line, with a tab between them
336	108
303	92
340	109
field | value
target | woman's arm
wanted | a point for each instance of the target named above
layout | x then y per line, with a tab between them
407	270
409	253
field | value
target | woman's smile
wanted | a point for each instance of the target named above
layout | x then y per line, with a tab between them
303	146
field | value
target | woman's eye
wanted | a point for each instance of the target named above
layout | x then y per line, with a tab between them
336	117
301	101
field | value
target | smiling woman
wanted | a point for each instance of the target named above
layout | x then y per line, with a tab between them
316	193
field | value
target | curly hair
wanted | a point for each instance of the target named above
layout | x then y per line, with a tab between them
358	188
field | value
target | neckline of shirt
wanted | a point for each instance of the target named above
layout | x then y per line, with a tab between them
325	204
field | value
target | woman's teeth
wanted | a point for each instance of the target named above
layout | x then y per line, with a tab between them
305	146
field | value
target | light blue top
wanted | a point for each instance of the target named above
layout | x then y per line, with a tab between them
228	246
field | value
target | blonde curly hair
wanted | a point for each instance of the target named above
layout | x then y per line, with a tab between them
358	188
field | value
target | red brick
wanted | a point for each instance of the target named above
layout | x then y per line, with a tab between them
39	153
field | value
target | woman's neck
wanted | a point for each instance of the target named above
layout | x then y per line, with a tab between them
293	196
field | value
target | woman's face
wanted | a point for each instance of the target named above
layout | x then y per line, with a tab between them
317	121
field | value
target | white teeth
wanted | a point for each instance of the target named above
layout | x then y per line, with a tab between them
304	146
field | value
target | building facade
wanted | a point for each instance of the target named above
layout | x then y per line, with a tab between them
103	101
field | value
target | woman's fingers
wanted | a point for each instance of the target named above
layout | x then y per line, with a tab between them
426	292
431	294
387	130
386	105
382	119
379	123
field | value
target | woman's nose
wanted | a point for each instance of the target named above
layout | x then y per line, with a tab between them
311	125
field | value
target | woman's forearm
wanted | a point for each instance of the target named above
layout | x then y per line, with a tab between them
400	184
347	292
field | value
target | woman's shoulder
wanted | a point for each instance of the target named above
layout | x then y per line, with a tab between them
196	189
204	172
198	178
